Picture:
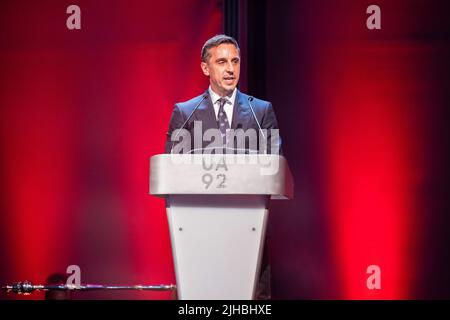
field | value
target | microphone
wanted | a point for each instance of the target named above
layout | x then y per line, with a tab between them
205	95
254	115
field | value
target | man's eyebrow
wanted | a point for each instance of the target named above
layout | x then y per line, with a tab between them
224	59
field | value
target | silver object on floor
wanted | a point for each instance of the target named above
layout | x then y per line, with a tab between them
26	287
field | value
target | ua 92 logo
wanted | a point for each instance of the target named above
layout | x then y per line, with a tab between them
219	181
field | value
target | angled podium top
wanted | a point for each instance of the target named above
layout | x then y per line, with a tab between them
233	174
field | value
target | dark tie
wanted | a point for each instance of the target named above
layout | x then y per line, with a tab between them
223	120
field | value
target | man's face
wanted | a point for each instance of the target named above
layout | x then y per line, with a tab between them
223	68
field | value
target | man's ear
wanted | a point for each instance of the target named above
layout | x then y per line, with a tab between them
205	68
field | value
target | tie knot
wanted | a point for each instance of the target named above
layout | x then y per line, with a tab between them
222	102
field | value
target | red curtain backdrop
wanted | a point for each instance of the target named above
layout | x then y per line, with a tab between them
81	113
361	114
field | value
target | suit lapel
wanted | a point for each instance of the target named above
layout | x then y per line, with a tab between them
206	114
241	112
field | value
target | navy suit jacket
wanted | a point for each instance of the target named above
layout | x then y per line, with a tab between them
242	117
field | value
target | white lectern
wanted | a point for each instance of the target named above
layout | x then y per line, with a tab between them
217	208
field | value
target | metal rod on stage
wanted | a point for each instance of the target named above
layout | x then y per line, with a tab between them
26	287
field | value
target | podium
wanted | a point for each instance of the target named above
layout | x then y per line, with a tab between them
217	210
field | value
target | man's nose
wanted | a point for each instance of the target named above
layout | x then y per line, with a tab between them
230	67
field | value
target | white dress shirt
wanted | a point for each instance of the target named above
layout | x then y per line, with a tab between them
228	107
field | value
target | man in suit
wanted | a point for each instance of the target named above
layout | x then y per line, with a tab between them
225	109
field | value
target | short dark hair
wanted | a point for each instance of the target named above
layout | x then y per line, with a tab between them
216	41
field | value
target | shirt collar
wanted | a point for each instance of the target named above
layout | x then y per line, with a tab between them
215	96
